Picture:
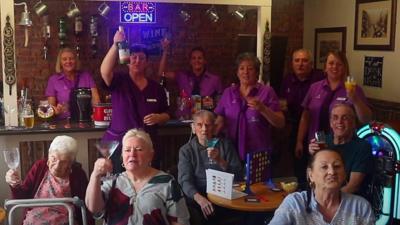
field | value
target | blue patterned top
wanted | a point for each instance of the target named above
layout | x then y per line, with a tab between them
353	210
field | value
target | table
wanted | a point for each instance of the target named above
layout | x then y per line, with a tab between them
270	200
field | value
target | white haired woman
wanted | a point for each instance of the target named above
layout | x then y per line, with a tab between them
58	176
141	194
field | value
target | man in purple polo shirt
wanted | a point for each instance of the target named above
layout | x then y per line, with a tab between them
197	80
293	90
137	102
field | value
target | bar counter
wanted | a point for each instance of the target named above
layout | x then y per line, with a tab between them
34	143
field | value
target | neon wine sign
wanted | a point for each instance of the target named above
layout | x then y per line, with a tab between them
137	12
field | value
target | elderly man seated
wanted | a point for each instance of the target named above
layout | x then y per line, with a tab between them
58	176
356	152
195	157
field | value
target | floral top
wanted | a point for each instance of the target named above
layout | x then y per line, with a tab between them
51	187
159	202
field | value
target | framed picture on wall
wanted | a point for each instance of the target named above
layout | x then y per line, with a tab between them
328	39
375	25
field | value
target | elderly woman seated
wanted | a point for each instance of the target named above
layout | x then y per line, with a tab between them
140	195
59	176
195	157
325	203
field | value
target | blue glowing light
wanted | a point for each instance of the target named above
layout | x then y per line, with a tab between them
137	12
385	140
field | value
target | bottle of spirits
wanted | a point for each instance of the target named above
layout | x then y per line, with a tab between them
123	49
21	101
62	32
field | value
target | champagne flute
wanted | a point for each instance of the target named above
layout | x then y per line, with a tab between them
11	157
106	149
211	143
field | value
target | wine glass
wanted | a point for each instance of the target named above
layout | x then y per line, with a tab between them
45	111
106	149
11	156
211	143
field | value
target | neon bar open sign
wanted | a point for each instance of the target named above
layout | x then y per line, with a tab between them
138	12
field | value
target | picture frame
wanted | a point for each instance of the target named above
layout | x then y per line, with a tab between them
375	25
328	39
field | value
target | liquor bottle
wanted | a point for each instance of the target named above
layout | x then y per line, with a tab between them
93	34
163	83
20	105
78	26
62	32
123	49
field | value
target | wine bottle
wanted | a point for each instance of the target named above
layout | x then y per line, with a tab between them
123	49
163	83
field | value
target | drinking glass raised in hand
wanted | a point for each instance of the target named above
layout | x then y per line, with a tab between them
106	149
211	143
11	157
320	139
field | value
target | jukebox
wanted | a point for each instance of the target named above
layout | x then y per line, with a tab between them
384	187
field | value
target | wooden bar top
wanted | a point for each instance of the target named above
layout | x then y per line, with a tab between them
269	200
59	127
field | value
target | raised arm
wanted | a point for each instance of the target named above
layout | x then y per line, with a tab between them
107	65
94	198
165	43
364	113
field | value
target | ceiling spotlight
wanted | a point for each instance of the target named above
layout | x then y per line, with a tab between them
184	15
25	19
239	13
212	14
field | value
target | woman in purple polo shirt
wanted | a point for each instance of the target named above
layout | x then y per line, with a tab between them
247	111
196	81
326	93
68	77
137	102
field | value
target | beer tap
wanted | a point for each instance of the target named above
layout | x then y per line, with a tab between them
45	35
93	34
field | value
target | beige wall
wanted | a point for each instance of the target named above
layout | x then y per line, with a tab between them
339	13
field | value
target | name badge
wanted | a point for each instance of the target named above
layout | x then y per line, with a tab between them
341	98
151	100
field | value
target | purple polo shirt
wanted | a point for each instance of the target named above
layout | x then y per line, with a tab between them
210	84
59	86
316	96
130	105
245	126
294	91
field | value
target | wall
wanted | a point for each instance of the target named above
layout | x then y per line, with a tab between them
219	40
319	14
287	21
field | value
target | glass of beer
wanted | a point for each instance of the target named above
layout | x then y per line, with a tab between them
350	84
28	116
320	139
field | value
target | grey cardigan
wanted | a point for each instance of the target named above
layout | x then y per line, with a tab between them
193	162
